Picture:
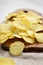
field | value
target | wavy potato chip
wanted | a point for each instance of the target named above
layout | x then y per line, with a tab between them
6	28
37	27
25	22
4	37
15	30
32	19
31	13
16	48
18	25
30	33
6	61
29	39
17	35
22	23
11	36
20	14
39	37
23	33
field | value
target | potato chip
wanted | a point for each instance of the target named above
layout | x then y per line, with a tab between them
26	23
32	13
6	28
37	27
11	36
29	39
21	14
30	33
16	48
39	37
22	23
4	37
17	35
18	25
23	33
32	19
6	61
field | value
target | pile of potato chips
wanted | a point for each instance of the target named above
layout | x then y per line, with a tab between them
22	25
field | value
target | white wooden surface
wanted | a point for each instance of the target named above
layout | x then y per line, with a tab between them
7	6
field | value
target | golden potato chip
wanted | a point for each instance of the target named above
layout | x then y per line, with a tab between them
15	30
37	27
4	37
6	61
39	37
6	28
29	39
17	35
11	36
16	48
30	33
25	22
32	19
23	33
20	14
18	25
32	13
22	23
